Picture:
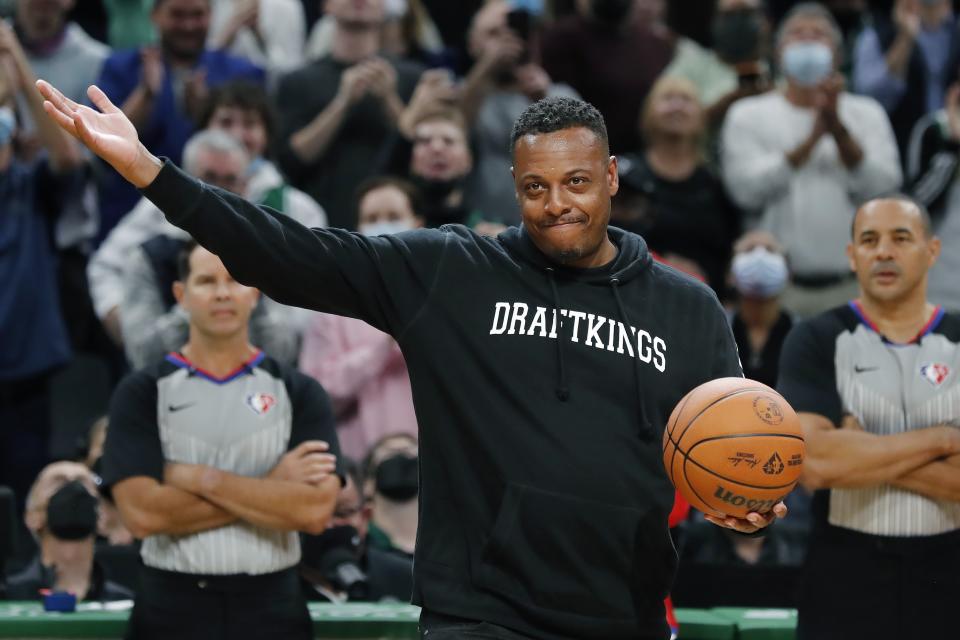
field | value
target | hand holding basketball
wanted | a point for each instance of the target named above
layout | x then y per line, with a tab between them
734	448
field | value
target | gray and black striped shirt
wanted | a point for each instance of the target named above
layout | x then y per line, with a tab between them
242	423
837	364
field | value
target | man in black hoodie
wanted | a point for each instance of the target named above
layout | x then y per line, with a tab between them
544	363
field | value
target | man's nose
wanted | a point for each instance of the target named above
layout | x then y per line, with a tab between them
555	203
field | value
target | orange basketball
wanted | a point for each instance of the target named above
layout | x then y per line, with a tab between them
732	446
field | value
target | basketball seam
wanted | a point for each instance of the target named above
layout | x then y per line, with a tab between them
712	403
688	483
685	400
676	443
686	457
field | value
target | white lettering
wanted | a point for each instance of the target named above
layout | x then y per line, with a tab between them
660	347
553	328
519	317
539	319
577	317
643	346
625	339
593	330
501	313
613	332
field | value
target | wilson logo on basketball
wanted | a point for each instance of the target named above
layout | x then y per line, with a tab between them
767	410
774	466
737	500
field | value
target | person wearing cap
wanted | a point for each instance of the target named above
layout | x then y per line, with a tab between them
62	514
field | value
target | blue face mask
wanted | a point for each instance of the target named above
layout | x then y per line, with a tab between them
807	63
759	273
385	228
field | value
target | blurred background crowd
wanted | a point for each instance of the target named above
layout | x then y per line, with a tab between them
747	133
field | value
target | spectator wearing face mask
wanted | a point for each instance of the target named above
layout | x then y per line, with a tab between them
736	67
391	469
360	367
433	152
805	156
760	323
62	512
341	564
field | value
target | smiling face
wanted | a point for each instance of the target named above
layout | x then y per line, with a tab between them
564	182
891	249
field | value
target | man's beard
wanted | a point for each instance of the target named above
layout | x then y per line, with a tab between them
565	256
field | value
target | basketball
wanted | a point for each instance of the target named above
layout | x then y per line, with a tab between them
733	446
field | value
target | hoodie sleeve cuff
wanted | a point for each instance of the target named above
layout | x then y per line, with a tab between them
175	192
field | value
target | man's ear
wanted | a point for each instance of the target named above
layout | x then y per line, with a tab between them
178	292
613	176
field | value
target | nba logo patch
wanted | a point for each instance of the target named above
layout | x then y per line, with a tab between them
260	403
935	373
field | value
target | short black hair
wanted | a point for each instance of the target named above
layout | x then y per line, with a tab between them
183	259
244	95
925	221
556	114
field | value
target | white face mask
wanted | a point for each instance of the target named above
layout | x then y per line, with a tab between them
385	228
807	63
395	9
759	273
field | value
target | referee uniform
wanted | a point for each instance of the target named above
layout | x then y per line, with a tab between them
239	580
883	562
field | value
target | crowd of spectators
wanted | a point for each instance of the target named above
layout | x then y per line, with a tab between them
747	134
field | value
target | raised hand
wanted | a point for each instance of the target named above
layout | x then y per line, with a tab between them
107	132
152	71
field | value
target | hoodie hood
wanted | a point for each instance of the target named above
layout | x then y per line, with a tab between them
631	260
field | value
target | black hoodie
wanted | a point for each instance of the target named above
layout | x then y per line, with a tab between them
541	394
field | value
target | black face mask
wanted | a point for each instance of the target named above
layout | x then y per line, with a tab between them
610	12
736	35
72	512
315	548
397	478
434	194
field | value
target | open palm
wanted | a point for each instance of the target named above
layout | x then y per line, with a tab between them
107	132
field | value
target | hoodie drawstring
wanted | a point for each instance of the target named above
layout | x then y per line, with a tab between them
646	429
562	390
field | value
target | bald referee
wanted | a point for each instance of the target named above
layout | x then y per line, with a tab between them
216	457
875	383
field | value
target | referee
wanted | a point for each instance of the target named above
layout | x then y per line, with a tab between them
217	456
875	385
